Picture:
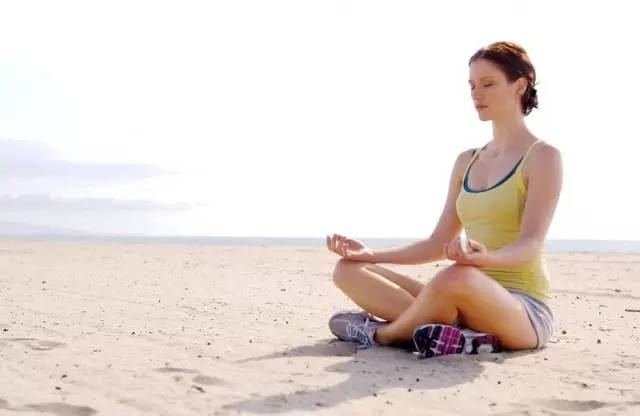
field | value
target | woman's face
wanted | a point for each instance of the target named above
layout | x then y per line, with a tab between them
493	95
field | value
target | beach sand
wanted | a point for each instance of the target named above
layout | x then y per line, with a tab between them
125	329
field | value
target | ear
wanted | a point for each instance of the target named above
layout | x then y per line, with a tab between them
521	85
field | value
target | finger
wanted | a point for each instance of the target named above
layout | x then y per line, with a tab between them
447	253
334	242
456	247
462	247
470	247
336	245
327	242
477	246
458	251
342	239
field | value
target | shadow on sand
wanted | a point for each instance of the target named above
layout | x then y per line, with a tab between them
370	372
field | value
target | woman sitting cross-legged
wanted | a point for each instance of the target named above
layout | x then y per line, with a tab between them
503	195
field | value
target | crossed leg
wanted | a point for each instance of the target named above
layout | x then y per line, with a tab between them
457	291
379	291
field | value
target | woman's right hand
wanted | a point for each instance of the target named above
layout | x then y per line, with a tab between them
348	248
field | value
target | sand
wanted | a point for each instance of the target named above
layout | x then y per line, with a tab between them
126	329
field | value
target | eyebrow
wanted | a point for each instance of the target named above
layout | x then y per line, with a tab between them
488	76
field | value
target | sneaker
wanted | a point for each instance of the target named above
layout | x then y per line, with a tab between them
432	340
352	326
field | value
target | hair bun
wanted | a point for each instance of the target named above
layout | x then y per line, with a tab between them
530	99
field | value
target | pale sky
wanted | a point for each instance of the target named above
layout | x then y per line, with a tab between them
298	118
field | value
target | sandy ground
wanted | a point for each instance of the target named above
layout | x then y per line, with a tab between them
115	329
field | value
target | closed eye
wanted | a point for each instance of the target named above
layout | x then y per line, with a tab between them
487	85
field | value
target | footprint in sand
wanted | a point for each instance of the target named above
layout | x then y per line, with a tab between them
580	405
175	370
208	380
59	409
199	378
62	409
35	344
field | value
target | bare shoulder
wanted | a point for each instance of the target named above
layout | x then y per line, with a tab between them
464	158
544	154
545	160
461	162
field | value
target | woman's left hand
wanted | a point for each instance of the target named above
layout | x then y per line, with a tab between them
474	255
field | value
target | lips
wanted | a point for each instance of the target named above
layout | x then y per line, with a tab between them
481	107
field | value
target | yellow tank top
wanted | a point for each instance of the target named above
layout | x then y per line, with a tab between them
493	217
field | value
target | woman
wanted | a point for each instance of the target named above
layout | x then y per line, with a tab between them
504	196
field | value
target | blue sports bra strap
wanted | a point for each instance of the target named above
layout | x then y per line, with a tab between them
474	156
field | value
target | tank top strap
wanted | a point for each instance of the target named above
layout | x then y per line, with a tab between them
474	156
527	153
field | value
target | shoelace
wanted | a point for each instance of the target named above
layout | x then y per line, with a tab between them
359	332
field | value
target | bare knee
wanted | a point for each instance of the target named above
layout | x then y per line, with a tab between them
345	271
455	280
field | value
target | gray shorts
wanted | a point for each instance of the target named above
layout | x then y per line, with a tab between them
539	313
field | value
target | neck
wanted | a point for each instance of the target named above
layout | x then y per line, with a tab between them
509	133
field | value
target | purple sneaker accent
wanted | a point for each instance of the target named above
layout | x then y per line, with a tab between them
432	340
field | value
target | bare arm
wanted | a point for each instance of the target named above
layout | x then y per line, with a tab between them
430	249
545	184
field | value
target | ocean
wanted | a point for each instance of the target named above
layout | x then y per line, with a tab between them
551	246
